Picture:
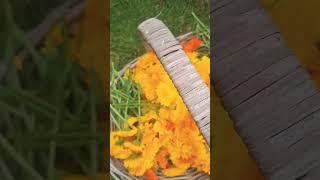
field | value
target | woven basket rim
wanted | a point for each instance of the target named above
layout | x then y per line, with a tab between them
121	171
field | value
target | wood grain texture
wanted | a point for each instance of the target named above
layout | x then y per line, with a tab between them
273	103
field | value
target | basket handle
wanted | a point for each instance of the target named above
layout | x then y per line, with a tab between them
194	92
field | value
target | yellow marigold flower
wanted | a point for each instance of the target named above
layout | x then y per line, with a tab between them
171	172
149	116
118	151
135	166
146	85
132	147
131	121
146	60
203	68
164	113
186	151
193	56
165	94
157	127
180	111
138	166
126	133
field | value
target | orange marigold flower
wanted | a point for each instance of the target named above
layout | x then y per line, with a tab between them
170	126
161	159
193	44
150	175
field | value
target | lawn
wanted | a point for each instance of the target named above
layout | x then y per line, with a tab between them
126	15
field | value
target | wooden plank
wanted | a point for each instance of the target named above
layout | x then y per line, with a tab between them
280	93
239	67
264	124
270	97
233	24
312	174
218	4
234	7
236	32
273	128
295	125
293	137
294	161
259	81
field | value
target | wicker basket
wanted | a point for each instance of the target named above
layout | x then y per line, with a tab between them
116	166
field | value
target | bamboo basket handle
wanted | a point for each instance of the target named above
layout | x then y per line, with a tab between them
194	92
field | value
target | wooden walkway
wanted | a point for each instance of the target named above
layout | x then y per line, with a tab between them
269	96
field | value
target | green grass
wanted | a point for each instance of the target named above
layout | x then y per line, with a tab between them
126	15
125	99
49	114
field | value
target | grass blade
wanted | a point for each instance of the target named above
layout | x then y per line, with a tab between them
4	144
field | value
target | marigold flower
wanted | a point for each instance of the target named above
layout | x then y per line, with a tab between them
203	68
193	44
132	147
164	113
165	94
162	160
149	116
150	175
116	150
171	172
193	56
126	133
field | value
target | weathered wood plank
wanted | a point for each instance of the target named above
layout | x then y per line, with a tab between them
312	174
296	114
280	93
225	26
234	7
239	67
293	162
270	97
293	138
259	81
217	4
236	32
258	127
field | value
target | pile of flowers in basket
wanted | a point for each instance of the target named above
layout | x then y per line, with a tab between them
164	138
